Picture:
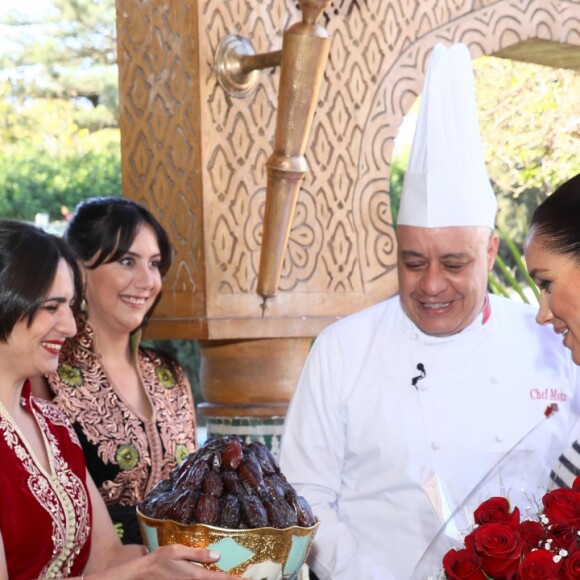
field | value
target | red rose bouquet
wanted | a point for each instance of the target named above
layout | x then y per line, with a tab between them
490	537
503	547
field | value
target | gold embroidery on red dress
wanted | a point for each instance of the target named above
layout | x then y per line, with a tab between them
61	493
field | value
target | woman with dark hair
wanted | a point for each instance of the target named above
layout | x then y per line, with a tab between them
131	406
552	251
53	521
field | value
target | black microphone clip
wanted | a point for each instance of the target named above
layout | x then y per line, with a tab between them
415	380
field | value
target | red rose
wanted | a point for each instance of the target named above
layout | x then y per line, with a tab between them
497	510
570	569
532	534
500	548
563	537
576	484
538	565
463	564
562	506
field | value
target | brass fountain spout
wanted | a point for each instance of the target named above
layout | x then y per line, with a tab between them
305	51
303	58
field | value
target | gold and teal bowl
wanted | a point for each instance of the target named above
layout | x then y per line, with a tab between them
260	553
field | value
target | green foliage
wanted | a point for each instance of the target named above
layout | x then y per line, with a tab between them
530	121
398	167
36	182
66	51
510	281
529	117
48	161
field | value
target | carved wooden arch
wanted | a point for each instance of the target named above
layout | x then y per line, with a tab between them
493	28
196	156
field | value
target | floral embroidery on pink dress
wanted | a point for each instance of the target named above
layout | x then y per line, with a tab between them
126	454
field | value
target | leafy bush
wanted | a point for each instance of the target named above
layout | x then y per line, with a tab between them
512	281
48	163
36	182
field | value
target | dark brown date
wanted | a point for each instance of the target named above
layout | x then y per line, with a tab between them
280	514
207	510
183	467
213	484
150	505
266	460
303	512
229	512
232	454
275	486
215	460
253	511
164	507
231	484
250	473
194	476
185	506
158	490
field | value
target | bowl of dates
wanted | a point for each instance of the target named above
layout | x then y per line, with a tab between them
231	497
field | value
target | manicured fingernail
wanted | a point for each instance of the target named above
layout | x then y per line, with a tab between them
214	555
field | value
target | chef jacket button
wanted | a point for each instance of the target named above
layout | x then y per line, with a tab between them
494	380
499	438
435	445
413	336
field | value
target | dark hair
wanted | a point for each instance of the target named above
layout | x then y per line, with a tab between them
102	229
29	259
557	219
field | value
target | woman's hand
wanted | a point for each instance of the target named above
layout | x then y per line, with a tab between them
167	563
178	561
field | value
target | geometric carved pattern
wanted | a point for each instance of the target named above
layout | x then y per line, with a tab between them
197	156
160	135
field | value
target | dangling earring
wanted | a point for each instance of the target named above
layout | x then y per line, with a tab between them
84	305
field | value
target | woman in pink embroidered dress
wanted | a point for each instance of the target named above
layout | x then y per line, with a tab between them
53	521
130	406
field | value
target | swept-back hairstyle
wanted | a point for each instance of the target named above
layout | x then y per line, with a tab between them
29	259
556	221
102	229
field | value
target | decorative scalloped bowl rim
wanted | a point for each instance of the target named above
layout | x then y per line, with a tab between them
228	530
273	553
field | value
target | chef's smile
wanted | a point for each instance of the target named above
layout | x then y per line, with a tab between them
443	275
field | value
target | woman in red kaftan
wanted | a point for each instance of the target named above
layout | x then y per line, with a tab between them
53	521
38	505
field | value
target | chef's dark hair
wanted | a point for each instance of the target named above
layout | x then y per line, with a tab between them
102	230
556	221
29	259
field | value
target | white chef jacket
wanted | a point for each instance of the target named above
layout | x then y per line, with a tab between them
384	462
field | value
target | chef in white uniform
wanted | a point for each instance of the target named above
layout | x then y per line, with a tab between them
404	408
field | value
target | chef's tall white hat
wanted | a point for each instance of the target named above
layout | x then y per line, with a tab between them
446	183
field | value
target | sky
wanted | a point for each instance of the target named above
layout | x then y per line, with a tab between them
36	8
23	7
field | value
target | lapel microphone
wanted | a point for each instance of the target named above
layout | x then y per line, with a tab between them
415	380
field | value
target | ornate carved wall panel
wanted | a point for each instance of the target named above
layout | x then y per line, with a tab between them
161	140
197	156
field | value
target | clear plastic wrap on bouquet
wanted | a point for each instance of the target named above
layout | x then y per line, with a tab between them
521	475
